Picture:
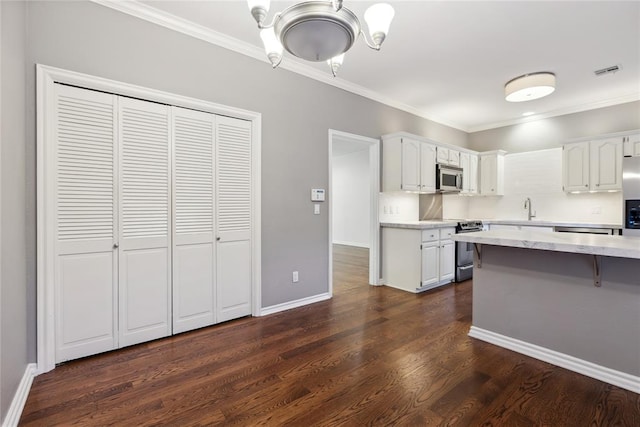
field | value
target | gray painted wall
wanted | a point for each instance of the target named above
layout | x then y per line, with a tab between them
297	113
554	131
548	299
14	215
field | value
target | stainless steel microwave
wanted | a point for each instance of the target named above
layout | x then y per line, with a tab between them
448	178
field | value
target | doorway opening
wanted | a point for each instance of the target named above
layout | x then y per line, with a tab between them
354	227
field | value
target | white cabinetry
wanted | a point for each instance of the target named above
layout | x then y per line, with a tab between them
417	260
492	173
469	165
448	156
631	145
408	165
593	165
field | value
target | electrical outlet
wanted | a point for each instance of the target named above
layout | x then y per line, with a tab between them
294	277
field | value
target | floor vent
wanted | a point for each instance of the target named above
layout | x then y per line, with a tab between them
607	70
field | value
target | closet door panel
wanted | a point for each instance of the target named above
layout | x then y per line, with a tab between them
233	207
145	295
193	201
144	232
84	188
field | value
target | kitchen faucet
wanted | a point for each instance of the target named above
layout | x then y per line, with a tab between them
527	205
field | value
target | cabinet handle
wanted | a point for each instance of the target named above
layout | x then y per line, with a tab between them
597	185
586	185
218	239
116	246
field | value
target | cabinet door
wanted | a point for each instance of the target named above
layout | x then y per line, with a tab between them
427	168
634	142
430	255
447	259
488	175
144	232
472	176
454	158
606	164
465	165
193	222
575	166
410	165
233	205
85	279
443	155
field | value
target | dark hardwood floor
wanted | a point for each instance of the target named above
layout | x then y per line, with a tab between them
370	356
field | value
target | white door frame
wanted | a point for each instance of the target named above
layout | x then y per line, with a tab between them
374	194
46	78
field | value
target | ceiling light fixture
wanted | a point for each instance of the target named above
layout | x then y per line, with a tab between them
318	30
530	86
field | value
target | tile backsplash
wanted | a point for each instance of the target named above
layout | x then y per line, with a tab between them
534	174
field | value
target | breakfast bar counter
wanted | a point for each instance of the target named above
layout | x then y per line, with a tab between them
572	300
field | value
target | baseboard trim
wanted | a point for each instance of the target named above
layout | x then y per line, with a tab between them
20	398
347	243
590	369
293	304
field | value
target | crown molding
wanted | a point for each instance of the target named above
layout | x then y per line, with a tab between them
290	63
172	22
559	112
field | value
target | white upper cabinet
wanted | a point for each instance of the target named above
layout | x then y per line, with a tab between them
593	165
448	156
631	145
575	166
411	161
492	173
469	165
408	165
427	168
472	176
606	164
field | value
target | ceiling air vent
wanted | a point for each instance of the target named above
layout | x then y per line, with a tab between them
607	70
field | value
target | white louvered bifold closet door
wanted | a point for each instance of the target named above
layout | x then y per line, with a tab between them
85	267
144	238
193	201
233	207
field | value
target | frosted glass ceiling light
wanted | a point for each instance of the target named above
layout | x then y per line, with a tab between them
272	46
320	30
530	86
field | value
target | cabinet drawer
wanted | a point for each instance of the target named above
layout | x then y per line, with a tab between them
447	233
429	235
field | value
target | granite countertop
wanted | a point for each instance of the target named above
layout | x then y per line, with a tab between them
607	245
536	223
420	225
423	225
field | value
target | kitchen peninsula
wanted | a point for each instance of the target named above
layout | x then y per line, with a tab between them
572	300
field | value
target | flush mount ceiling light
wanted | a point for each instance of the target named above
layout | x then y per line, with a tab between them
318	30
530	86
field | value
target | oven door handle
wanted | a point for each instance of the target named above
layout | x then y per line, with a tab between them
466	267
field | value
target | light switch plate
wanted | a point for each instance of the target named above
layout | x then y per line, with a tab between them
316	209
317	194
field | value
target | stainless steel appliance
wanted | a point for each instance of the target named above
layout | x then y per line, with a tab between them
448	178
631	196
587	230
464	250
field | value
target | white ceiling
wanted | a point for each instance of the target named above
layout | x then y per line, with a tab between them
449	60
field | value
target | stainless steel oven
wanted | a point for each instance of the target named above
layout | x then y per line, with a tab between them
464	250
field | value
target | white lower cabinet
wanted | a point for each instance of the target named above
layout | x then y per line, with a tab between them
152	220
417	260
